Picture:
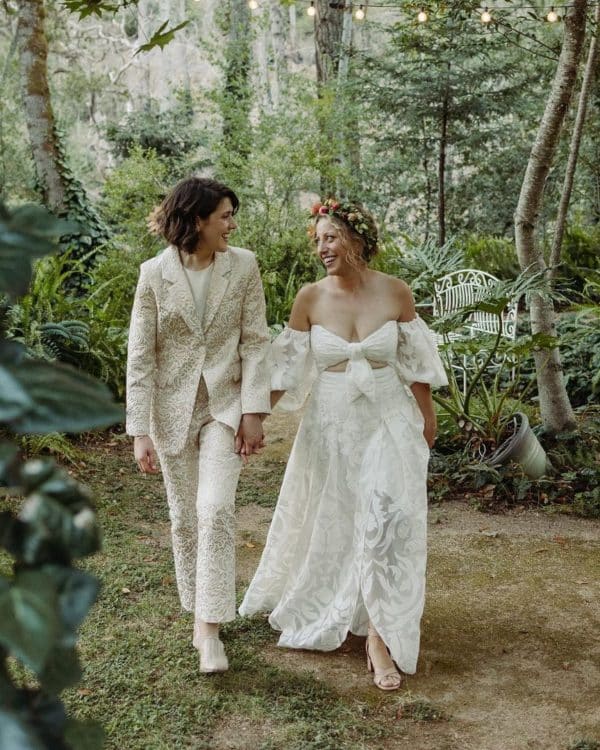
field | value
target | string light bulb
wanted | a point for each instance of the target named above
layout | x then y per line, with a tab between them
311	10
360	14
552	16
422	16
486	16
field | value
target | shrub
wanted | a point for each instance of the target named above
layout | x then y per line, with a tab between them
579	334
580	260
168	133
496	255
131	191
45	598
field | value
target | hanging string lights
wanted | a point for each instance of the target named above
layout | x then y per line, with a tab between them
485	14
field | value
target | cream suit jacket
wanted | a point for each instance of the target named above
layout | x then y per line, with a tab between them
170	348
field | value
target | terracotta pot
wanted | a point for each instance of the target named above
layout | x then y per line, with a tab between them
523	448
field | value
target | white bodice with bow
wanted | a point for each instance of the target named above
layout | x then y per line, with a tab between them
298	356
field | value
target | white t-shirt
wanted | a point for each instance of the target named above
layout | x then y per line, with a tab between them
199	283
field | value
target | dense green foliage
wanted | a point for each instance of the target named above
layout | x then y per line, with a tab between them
46	598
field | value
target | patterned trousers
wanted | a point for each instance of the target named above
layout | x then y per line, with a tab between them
201	482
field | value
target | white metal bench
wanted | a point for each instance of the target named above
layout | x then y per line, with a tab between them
461	288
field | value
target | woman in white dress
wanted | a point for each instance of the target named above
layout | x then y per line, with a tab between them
346	550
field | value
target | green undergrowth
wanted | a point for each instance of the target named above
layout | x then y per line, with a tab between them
571	486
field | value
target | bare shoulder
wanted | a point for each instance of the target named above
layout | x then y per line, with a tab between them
303	305
397	287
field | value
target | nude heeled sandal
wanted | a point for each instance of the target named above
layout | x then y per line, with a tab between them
391	676
212	655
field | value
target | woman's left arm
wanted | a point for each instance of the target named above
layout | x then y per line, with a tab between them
421	391
253	347
422	394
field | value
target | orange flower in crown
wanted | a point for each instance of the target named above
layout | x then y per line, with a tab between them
352	214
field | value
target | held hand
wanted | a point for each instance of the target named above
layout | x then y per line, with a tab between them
145	455
250	437
430	430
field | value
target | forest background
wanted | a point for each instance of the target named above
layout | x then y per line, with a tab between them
472	136
474	140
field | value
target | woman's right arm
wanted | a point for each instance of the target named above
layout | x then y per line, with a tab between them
299	321
141	369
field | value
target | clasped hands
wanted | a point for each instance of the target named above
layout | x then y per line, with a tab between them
249	438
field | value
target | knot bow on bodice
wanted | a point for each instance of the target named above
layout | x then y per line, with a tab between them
330	349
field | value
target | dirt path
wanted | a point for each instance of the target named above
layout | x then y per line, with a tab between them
510	638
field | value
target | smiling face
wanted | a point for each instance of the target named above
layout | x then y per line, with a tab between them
216	228
332	248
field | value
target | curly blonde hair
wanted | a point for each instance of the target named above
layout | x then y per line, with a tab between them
356	226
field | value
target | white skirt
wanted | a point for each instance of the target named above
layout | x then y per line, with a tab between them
347	543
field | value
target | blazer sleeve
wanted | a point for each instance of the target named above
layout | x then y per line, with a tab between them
141	358
254	346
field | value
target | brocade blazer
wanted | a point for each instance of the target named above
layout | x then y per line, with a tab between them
170	348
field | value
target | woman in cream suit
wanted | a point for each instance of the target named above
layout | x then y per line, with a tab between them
197	387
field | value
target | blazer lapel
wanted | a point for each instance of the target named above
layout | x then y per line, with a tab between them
218	285
179	295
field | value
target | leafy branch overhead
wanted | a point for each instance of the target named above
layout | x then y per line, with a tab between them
161	37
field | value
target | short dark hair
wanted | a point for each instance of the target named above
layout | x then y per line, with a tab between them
191	199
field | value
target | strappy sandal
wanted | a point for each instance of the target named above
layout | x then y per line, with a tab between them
387	679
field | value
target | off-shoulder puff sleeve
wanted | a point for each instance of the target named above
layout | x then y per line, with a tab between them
293	368
418	360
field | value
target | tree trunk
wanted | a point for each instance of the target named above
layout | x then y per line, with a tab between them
442	165
33	58
329	32
261	57
556	410
565	198
279	53
329	23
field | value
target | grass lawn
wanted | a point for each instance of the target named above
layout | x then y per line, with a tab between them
509	657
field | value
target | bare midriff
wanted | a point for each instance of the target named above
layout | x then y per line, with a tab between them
341	366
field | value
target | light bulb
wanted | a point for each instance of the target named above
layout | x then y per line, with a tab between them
486	16
422	16
552	16
252	4
311	10
360	14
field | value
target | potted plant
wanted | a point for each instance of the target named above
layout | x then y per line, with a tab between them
491	411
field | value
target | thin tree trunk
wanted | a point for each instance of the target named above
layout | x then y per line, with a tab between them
442	166
565	198
328	38
293	34
557	413
262	61
279	54
33	58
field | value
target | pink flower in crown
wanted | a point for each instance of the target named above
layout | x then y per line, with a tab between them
334	205
323	210
316	208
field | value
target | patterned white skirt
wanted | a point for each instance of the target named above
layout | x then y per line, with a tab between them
347	543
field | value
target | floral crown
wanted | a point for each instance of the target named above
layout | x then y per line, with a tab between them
353	215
